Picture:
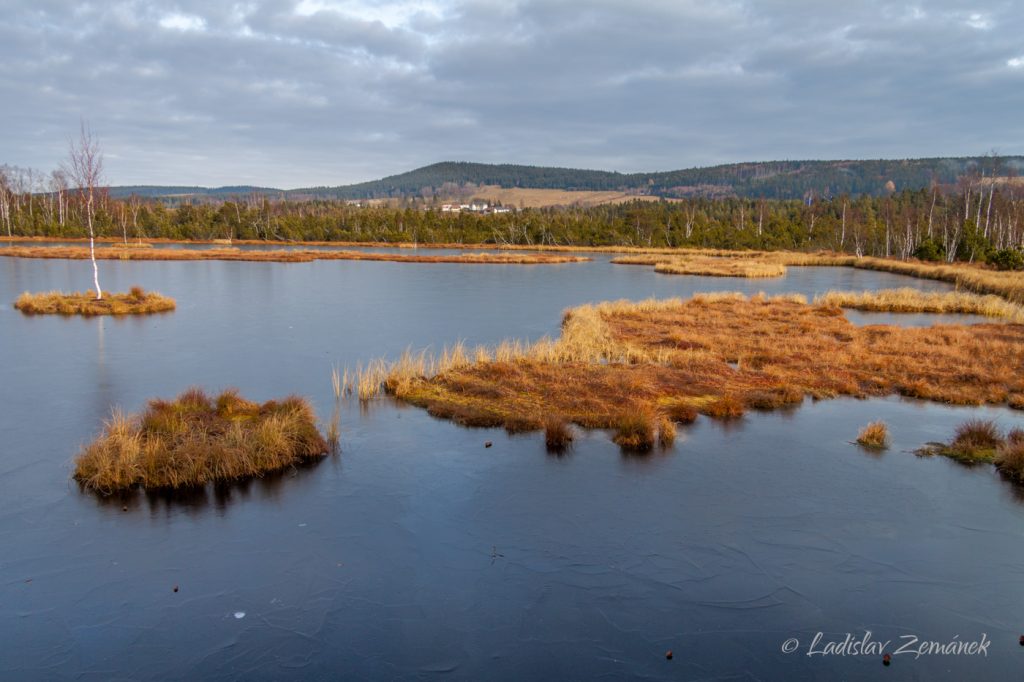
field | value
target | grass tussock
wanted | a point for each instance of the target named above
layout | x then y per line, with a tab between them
666	432
132	252
908	300
195	439
557	434
636	430
724	407
874	435
621	365
1009	457
976	440
721	267
135	302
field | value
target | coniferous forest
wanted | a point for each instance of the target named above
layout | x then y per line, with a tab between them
972	219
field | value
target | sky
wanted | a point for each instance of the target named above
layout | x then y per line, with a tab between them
299	93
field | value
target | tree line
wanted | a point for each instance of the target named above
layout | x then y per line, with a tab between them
975	219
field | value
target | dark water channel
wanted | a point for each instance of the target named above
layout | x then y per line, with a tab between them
418	553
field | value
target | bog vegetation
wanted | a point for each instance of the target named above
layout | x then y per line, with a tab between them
908	300
720	267
197	439
135	302
874	435
639	368
981	440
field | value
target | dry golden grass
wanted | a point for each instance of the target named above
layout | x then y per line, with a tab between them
336	381
720	267
135	302
630	366
195	439
280	256
874	435
333	431
907	300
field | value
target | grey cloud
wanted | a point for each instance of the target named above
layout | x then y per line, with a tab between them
292	93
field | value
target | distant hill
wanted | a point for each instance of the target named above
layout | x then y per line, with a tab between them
168	191
768	179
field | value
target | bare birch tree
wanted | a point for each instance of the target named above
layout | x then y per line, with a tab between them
85	168
6	195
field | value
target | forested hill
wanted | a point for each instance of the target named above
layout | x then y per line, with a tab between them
457	173
169	191
768	179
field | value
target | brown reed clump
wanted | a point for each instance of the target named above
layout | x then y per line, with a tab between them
975	440
874	435
666	432
636	430
135	302
725	407
557	434
195	439
1010	455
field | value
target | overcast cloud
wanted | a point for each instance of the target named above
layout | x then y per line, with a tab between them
323	92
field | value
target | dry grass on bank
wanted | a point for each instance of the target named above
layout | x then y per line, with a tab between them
135	302
965	276
280	256
1008	284
874	435
908	300
721	267
619	364
196	439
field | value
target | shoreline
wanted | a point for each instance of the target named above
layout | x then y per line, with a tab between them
278	256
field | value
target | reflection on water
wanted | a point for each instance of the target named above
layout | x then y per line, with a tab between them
196	499
418	551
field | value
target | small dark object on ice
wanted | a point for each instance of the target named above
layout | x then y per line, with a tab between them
175	588
668	654
886	659
488	443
